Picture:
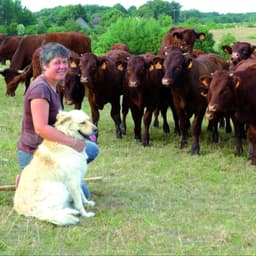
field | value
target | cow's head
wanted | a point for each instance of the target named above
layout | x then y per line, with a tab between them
239	51
175	64
185	39
9	75
221	87
90	67
137	67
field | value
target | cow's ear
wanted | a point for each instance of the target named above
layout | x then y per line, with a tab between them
236	81
188	63
120	65
227	49
201	36
158	63
254	50
73	64
102	63
205	81
177	35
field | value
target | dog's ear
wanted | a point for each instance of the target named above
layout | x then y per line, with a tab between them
62	117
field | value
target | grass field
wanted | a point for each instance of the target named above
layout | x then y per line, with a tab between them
157	200
242	34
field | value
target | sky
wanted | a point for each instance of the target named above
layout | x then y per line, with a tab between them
220	6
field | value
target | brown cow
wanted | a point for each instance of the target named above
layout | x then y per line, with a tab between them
75	41
235	92
182	76
239	51
181	37
8	47
120	46
144	93
103	84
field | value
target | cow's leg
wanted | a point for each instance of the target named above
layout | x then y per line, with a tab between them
183	131
251	134
115	114
163	110
95	114
137	117
196	131
239	134
147	121
156	121
214	129
125	109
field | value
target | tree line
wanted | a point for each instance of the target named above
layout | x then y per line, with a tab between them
140	28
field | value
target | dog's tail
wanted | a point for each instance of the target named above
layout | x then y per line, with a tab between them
60	217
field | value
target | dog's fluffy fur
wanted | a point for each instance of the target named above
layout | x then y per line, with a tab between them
49	187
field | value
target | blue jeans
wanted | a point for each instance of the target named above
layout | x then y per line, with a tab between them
91	149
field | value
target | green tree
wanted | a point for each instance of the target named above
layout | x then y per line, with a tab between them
20	29
227	39
157	8
143	35
70	12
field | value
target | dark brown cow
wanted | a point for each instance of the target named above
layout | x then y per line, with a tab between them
75	41
8	47
239	51
144	93
103	84
182	76
181	37
235	92
120	46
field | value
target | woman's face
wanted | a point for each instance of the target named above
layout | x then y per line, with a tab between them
56	69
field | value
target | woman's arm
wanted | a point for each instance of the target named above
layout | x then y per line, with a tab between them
40	114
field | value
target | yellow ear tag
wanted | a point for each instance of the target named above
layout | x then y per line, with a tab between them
190	64
158	65
151	67
120	67
204	83
73	64
201	37
104	65
237	83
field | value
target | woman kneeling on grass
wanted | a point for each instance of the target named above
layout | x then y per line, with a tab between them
41	105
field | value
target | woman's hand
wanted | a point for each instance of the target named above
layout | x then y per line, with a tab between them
78	145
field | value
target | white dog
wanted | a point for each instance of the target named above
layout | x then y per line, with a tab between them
49	187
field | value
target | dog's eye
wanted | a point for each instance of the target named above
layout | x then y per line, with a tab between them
83	123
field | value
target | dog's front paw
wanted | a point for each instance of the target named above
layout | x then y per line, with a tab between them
88	214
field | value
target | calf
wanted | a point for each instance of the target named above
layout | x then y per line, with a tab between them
103	84
181	37
182	76
234	92
143	91
239	51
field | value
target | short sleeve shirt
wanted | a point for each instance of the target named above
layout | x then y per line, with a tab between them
39	89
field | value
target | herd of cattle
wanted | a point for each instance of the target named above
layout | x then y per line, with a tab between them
179	77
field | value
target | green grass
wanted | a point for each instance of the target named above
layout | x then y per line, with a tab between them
157	200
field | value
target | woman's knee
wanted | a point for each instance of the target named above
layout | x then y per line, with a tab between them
92	150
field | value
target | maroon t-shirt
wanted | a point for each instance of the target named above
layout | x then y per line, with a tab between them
39	89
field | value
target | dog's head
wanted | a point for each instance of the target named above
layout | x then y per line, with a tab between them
75	123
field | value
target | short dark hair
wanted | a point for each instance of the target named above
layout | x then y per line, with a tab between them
51	50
